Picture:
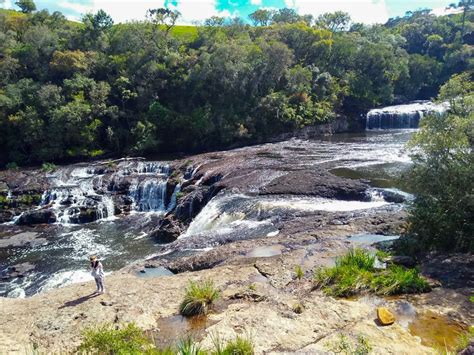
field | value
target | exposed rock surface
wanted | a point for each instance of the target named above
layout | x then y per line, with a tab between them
258	299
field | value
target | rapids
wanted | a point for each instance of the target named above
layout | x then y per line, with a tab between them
110	208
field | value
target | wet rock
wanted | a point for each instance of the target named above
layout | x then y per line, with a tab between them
402	260
168	231
18	270
83	215
316	183
384	316
43	216
393	196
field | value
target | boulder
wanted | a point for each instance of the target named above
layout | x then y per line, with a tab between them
384	316
42	216
402	260
84	215
168	231
317	183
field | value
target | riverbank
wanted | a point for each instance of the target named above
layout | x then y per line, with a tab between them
259	294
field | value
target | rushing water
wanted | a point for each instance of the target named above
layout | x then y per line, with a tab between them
402	116
59	252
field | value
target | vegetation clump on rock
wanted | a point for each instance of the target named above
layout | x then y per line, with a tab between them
355	273
198	298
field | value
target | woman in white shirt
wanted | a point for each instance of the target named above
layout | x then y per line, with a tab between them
97	271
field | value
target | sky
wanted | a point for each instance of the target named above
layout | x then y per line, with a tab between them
195	11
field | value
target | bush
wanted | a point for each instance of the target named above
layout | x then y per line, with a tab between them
105	339
48	167
346	347
12	166
354	273
198	298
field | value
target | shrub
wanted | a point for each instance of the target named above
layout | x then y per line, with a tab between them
198	298
12	166
48	167
105	339
354	273
299	273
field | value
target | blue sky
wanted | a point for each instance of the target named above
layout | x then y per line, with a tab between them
367	11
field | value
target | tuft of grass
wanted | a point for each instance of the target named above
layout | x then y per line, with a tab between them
238	346
297	308
299	273
253	287
188	346
354	273
465	339
347	347
198	298
105	339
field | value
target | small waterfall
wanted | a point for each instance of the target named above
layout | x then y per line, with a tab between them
149	195
402	116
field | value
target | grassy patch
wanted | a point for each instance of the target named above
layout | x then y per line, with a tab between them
238	346
349	347
105	339
354	273
48	167
198	298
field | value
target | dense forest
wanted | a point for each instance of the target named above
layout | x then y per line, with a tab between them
72	90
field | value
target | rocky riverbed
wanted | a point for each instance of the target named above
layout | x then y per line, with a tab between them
244	218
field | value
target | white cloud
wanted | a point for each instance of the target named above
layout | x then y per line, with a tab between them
440	11
256	2
198	10
366	11
6	4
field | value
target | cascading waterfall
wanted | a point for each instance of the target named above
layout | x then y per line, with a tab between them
402	116
149	195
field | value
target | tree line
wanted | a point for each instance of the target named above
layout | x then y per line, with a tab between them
71	90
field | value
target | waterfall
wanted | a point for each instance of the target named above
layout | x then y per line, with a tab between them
149	195
402	116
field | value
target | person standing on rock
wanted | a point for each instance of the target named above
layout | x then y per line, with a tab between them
97	271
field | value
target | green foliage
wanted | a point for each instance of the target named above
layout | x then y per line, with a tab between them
106	339
12	166
442	215
239	346
299	273
348	347
355	273
26	6
48	167
73	90
198	298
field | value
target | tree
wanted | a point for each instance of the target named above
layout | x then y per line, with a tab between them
26	6
261	17
442	215
163	17
335	22
286	16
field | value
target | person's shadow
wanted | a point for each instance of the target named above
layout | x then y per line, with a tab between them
79	300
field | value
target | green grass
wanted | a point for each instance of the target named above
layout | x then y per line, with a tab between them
198	298
299	273
105	339
185	33
348	347
354	273
238	346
